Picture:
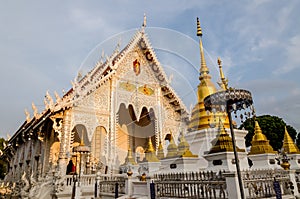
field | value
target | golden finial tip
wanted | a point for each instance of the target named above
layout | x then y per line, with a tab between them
199	30
219	61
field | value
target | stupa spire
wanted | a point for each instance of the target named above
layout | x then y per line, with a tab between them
260	143
172	148
184	148
223	142
289	147
81	140
203	69
223	83
129	158
150	155
200	119
160	151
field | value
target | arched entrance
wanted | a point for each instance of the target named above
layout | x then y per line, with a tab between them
98	148
137	130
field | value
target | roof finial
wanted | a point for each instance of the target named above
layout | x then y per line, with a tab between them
145	21
203	69
27	116
223	81
35	110
199	30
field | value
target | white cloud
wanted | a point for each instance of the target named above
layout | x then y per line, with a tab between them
46	43
291	51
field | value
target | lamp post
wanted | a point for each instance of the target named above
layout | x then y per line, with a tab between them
231	100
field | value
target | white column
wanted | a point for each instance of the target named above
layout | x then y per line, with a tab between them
293	180
232	185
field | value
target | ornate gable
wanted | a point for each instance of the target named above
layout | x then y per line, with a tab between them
137	63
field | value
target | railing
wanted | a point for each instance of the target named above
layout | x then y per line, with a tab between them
108	184
297	179
260	183
191	185
87	180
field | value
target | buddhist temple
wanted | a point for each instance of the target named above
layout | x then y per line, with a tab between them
122	129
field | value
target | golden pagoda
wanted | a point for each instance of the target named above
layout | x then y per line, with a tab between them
150	155
172	149
184	148
289	146
260	143
160	151
200	119
129	159
223	142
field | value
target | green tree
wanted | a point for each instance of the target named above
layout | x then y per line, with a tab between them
272	127
2	163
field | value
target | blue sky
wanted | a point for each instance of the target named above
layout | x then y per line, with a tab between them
43	45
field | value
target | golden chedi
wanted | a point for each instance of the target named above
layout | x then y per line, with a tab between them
160	151
184	148
150	155
260	143
172	149
223	142
289	146
200	119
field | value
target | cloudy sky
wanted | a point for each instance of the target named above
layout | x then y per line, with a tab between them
43	45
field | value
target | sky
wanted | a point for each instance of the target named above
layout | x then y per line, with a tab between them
44	44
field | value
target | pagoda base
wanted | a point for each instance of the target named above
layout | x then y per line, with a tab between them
226	161
264	161
182	164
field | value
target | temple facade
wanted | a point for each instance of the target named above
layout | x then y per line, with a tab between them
124	117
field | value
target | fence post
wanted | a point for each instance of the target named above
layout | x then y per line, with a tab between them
128	186
97	184
292	176
232	185
152	190
116	190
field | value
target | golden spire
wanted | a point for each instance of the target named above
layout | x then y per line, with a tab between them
289	146
183	145
203	69
150	155
160	151
260	143
81	140
172	149
200	119
223	142
184	148
223	81
129	159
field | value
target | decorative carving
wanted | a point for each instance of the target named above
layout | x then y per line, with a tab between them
57	97
25	186
27	116
49	98
35	110
57	126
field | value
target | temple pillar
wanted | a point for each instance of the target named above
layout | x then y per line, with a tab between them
64	132
112	154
